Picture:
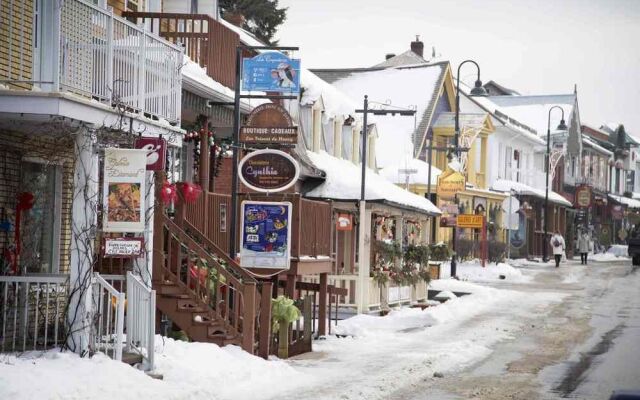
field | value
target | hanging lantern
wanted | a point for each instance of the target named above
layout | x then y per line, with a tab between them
190	192
168	193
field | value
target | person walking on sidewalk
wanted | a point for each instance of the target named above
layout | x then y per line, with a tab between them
557	244
584	242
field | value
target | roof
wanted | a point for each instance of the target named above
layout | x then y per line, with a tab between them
406	58
472	120
520	188
343	183
335	102
494	89
594	145
631	203
420	177
414	86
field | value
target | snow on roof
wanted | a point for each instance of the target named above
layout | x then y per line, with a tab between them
245	37
402	87
335	102
392	174
532	110
406	58
631	203
596	146
520	188
343	183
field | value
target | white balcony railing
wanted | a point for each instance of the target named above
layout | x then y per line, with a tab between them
97	55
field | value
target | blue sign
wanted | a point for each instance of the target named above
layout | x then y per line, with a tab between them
266	234
519	236
271	72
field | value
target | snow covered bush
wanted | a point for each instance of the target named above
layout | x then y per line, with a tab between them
497	251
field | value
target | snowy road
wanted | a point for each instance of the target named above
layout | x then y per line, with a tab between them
584	347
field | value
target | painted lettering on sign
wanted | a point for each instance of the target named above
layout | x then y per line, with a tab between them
268	171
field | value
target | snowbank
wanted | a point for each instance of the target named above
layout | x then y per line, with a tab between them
191	371
473	271
619	250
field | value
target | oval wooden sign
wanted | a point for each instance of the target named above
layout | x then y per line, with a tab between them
268	170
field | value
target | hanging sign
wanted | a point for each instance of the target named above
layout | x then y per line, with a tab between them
447	221
271	71
123	190
344	222
583	197
519	234
450	184
265	241
123	247
469	221
156	149
271	124
617	212
268	171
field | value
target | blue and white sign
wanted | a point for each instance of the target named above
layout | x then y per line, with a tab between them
271	72
265	241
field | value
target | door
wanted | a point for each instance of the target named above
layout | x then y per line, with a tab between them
40	225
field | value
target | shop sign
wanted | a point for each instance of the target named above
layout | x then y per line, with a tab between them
447	221
519	235
269	123
265	240
470	221
449	185
617	212
451	209
344	222
123	247
268	171
156	149
583	197
271	71
124	190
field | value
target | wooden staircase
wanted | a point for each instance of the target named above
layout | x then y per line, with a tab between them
207	294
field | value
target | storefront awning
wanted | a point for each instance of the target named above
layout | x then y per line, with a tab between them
630	203
520	188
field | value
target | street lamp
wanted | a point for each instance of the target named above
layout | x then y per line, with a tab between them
477	91
561	127
362	274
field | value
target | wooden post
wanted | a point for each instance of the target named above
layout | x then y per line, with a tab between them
204	156
322	305
290	291
158	231
265	320
249	316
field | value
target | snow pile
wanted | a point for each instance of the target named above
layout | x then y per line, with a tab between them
620	250
191	371
603	257
343	183
473	271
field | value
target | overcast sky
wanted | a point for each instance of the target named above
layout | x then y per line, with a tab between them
535	47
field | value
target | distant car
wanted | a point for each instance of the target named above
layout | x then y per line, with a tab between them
625	395
634	249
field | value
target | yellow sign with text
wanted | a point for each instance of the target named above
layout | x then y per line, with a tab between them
449	185
469	221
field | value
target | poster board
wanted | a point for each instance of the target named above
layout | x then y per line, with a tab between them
265	239
124	190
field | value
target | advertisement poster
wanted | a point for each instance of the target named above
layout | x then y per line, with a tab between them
271	71
265	241
519	236
124	190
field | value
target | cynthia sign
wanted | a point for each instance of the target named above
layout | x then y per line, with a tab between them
123	247
156	149
265	240
271	71
124	189
583	197
450	184
269	123
269	171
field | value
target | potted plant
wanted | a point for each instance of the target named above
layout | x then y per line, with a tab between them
283	313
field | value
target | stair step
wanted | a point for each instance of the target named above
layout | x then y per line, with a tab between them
131	358
180	296
190	306
223	340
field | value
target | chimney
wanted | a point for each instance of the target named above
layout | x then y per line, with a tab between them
236	18
417	46
389	55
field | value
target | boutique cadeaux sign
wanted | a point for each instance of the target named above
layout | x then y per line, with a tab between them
268	171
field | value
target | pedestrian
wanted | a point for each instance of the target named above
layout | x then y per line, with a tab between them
584	242
557	243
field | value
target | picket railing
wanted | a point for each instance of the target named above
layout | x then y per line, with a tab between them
32	312
107	328
141	320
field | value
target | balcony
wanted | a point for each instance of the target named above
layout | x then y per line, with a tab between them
96	55
205	40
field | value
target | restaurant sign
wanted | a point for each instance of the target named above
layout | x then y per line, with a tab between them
269	123
449	185
268	171
583	197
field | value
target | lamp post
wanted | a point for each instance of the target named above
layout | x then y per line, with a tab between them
362	272
561	127
480	91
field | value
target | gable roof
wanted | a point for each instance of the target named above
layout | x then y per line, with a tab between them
403	59
410	86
